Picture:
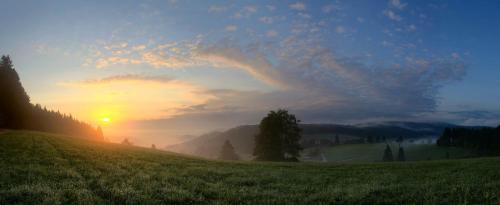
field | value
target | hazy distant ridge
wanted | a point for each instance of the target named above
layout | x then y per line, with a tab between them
242	137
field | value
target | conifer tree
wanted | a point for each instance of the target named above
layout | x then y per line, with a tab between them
388	154
227	152
401	154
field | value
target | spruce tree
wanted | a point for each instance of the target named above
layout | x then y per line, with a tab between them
401	154
388	154
99	133
227	152
15	107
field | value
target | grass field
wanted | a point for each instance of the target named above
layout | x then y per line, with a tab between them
373	152
39	168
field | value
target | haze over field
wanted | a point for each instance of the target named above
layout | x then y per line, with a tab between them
157	71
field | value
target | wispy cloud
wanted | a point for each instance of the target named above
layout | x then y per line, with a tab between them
397	4
231	28
392	15
216	9
123	78
330	8
158	60
299	6
271	33
255	63
245	12
267	19
320	84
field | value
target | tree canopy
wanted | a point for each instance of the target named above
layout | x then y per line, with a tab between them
278	137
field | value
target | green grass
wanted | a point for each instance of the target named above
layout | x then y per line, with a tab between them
39	168
373	152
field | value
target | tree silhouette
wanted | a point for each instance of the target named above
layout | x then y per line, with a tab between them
126	142
278	139
388	154
14	103
401	154
337	140
153	146
100	135
484	141
227	152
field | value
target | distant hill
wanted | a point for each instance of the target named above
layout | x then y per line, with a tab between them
242	137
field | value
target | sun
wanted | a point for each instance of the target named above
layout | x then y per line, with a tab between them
106	120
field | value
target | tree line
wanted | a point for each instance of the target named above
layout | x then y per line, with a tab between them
483	141
17	112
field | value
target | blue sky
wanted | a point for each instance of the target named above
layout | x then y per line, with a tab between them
208	65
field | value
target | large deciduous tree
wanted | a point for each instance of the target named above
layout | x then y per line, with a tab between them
278	139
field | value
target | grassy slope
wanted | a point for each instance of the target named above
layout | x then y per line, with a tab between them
39	168
374	152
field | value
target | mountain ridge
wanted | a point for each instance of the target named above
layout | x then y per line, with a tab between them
208	145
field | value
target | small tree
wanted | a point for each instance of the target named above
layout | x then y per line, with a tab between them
100	135
153	146
227	152
278	139
401	154
388	154
337	140
126	142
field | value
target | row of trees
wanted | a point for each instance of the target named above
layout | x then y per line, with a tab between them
16	111
388	157
484	141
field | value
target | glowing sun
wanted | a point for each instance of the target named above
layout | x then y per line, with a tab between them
106	119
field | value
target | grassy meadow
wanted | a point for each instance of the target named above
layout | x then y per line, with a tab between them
40	168
363	153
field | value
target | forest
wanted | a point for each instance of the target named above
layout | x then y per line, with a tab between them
17	112
484	141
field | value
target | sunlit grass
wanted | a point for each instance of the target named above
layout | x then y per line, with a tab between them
40	168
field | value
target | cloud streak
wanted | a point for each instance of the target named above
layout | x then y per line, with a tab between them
252	62
124	78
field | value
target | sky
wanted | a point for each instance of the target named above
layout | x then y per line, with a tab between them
163	71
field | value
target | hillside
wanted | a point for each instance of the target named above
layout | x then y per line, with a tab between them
242	137
39	168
